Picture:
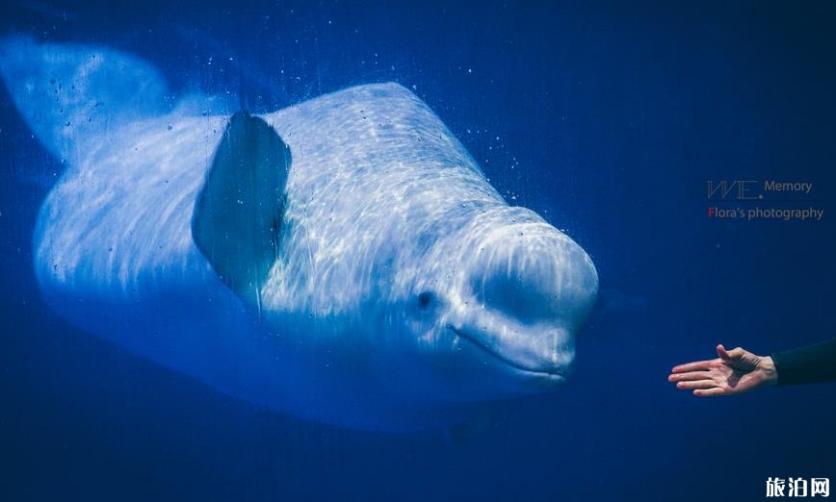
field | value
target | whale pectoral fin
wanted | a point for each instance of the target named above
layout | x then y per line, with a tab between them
238	212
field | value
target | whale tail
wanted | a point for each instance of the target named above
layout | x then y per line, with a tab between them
68	93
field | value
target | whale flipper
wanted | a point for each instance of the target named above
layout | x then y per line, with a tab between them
238	213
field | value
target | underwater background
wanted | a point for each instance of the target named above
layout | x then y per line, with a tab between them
608	119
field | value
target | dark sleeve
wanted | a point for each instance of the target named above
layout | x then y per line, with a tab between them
813	363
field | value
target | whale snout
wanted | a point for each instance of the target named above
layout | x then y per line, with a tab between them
528	290
544	351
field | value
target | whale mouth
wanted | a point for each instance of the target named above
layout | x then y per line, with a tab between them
550	374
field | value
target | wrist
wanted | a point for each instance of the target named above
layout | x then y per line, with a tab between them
767	368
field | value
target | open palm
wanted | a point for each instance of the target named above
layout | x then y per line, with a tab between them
732	372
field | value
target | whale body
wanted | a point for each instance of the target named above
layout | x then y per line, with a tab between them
343	259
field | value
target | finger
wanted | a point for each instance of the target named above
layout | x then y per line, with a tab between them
722	353
691	375
696	384
736	353
694	366
713	392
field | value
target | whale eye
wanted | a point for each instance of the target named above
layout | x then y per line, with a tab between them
425	299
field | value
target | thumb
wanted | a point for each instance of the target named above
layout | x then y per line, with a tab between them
736	353
730	355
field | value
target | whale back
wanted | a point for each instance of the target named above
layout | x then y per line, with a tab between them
377	181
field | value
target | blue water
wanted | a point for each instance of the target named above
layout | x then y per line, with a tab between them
608	119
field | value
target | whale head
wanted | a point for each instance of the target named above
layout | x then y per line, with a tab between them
501	302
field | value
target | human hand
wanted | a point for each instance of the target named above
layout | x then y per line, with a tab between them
733	372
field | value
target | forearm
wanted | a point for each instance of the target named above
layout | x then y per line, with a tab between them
809	364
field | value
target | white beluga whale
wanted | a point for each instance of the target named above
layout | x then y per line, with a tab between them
343	260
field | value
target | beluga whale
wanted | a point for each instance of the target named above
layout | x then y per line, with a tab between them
342	260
